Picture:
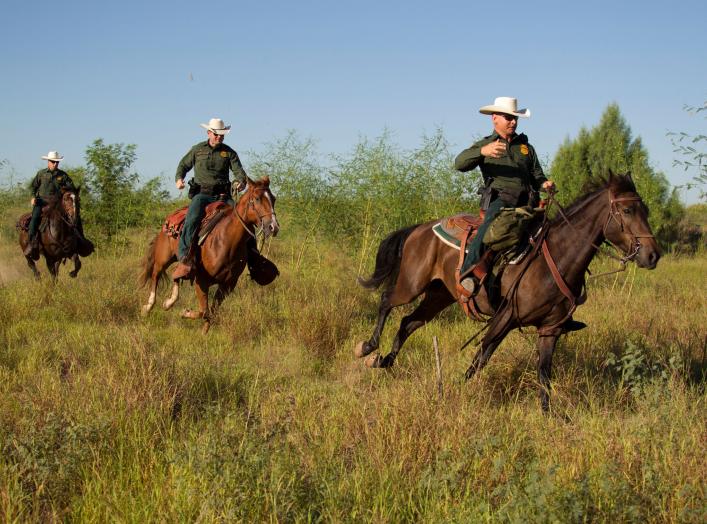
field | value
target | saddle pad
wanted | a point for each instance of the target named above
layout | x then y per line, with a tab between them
451	230
174	223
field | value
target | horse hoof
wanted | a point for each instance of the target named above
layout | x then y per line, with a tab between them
144	310
205	329
73	274
360	350
167	304
373	361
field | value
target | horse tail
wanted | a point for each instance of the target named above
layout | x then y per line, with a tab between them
390	253
148	263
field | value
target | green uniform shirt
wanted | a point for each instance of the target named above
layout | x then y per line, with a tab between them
211	164
517	169
47	184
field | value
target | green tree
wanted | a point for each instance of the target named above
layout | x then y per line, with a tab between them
115	200
610	146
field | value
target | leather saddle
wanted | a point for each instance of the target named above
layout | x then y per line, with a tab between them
174	223
453	230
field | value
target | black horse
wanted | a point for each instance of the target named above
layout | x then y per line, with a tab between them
58	239
542	292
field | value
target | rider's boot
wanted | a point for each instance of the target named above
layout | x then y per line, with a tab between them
476	275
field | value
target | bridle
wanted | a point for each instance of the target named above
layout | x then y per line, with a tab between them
616	215
251	204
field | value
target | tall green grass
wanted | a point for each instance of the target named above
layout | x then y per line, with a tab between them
105	415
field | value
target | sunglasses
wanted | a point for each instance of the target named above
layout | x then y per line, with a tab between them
509	118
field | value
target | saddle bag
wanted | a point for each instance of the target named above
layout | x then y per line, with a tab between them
509	227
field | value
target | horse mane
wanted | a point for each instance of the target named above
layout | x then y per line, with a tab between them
621	183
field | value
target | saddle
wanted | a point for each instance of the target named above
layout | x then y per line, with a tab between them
453	230
456	232
174	223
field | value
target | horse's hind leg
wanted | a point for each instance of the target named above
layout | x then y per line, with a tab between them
174	295
363	348
437	298
77	266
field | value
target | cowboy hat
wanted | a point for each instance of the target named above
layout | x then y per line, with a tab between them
505	105
53	156
216	126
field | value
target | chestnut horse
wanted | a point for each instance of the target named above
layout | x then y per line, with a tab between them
58	242
413	261
222	256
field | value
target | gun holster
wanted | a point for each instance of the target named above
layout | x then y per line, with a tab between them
488	195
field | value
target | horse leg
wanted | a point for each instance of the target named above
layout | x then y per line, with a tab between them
33	267
221	293
169	302
77	266
546	347
499	328
53	267
202	294
436	299
363	348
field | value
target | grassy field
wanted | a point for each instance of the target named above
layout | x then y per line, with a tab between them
105	415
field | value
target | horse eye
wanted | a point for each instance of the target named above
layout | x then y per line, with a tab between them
627	211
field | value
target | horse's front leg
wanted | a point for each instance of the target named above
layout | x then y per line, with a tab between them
546	347
53	267
77	265
33	267
201	288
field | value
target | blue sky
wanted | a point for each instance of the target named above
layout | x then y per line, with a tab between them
75	71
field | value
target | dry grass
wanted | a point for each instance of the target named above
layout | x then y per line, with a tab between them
105	415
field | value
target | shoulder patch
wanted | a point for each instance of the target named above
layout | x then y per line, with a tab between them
524	149
224	154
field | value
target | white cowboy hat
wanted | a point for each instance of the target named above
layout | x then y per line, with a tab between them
216	126
505	105
54	156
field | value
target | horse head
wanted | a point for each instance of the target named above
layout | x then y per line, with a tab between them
260	206
627	225
70	204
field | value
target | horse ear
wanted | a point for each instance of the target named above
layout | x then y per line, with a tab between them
611	176
78	189
249	181
265	181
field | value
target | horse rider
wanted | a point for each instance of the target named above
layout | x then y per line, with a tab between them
510	169
47	185
211	161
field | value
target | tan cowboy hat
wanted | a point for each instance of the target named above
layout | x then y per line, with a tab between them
505	105
54	156
216	126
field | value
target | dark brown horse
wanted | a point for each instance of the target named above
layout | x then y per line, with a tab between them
413	261
222	256
58	241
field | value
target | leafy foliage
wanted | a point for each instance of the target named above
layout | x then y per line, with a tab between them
115	201
610	146
375	189
692	158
